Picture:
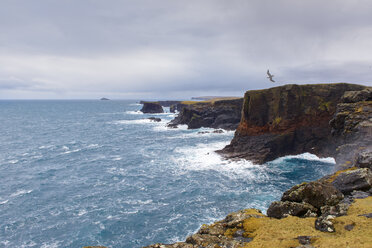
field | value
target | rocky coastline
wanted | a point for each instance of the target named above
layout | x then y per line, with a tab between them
222	114
334	211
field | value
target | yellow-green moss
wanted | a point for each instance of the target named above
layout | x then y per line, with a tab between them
277	120
283	233
325	106
333	177
230	232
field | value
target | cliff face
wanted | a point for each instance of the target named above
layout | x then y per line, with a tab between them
225	114
352	127
285	120
152	107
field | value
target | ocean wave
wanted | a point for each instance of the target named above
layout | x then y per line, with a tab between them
134	112
202	157
165	128
3	202
20	192
306	156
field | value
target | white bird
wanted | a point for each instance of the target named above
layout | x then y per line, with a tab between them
270	76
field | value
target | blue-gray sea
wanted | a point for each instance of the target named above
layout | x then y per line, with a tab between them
78	173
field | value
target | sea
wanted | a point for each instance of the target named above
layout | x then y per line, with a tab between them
77	173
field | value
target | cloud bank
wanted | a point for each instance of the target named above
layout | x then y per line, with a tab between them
177	49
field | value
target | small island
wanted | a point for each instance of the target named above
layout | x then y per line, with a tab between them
104	99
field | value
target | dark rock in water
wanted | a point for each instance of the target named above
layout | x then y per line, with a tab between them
154	119
315	193
348	181
287	120
104	99
281	209
152	107
203	132
218	131
324	224
171	125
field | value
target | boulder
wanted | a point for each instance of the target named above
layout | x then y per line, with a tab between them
316	193
350	180
280	209
152	107
325	224
357	96
364	159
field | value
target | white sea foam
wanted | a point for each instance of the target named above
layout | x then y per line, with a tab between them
51	245
307	156
3	202
202	157
46	147
126	122
82	212
117	158
14	161
135	104
134	112
163	127
93	146
21	192
71	151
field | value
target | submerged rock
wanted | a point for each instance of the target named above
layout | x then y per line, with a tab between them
154	119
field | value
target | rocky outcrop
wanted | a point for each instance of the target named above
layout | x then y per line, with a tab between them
352	128
152	108
224	114
333	211
290	119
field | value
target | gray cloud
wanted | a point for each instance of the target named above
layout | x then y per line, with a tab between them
86	48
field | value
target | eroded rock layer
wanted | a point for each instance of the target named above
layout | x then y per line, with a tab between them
290	119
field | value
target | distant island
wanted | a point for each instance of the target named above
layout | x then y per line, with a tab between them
104	99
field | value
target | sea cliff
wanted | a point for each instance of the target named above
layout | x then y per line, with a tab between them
334	211
287	120
215	113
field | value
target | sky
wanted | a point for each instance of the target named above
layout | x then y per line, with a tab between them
176	49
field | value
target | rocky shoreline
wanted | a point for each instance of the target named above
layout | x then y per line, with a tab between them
334	211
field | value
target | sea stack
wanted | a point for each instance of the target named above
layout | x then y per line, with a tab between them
152	108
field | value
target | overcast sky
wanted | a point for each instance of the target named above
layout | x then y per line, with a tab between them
142	49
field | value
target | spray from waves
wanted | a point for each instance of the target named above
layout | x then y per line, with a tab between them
202	157
134	112
201	132
306	156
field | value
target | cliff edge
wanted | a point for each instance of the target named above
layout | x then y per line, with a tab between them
287	120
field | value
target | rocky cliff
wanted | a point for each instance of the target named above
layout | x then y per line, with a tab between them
225	114
290	119
334	211
151	107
